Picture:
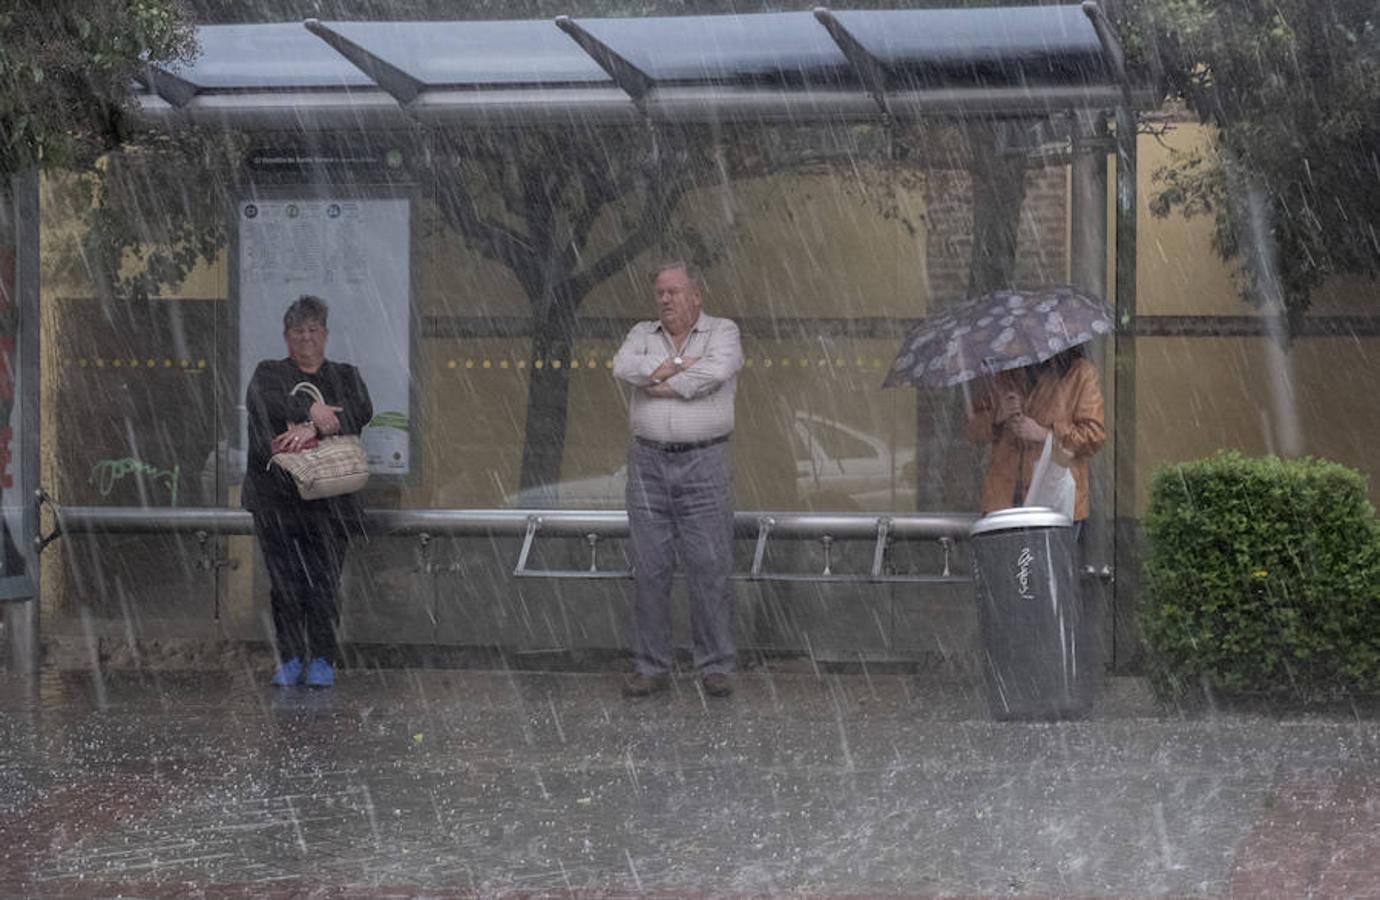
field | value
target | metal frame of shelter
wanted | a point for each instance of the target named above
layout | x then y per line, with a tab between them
1012	63
770	67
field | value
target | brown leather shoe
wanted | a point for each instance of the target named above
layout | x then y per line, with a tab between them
645	685
716	684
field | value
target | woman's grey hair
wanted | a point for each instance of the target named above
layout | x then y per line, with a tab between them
305	308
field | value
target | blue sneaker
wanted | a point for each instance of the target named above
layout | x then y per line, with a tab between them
319	674
288	673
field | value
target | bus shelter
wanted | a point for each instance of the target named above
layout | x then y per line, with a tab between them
343	121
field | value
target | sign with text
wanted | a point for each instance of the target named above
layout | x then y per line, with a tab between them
355	255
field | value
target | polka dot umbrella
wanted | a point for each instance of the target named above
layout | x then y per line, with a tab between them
1005	329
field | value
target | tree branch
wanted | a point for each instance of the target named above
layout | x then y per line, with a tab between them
599	192
539	213
490	238
644	234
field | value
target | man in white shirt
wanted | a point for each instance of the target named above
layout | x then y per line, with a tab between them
683	369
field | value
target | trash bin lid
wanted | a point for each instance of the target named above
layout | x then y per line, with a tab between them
1020	517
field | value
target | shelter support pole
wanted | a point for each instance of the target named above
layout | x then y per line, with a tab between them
1125	639
21	610
1126	650
1088	257
1088	241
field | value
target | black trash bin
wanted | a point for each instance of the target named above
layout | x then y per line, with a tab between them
1038	653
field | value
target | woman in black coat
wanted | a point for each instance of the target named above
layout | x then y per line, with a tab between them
303	541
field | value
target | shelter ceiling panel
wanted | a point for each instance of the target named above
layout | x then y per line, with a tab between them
276	56
1055	43
763	49
476	54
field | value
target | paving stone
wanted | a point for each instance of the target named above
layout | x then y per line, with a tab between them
443	782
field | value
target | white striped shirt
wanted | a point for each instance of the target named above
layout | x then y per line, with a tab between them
703	405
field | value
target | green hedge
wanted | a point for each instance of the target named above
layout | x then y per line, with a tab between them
1263	575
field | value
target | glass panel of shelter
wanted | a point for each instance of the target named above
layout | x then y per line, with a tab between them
823	267
15	493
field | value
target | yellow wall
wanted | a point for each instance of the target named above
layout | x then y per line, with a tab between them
815	246
1195	395
1177	274
836	258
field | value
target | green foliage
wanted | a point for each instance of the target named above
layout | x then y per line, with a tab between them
1263	575
66	67
1293	87
149	213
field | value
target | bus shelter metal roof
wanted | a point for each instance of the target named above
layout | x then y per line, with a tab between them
768	67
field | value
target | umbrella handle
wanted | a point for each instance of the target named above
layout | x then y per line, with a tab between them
1018	495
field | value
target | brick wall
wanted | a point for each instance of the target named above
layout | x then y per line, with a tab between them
947	477
1041	249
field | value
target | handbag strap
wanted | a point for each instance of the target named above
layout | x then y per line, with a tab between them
306	387
303	387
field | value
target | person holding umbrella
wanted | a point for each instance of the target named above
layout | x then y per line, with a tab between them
1025	350
1018	409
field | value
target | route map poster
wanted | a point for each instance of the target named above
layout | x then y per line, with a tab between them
355	255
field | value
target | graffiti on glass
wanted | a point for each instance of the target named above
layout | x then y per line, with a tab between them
108	472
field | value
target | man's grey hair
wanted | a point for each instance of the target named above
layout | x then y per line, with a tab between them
304	309
692	271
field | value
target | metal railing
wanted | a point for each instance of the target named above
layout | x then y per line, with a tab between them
592	526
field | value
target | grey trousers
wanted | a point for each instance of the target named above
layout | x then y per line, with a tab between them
681	504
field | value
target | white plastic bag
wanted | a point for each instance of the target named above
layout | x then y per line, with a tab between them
1051	484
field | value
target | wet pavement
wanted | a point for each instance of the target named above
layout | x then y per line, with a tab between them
446	782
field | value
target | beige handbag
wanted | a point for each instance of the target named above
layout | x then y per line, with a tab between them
336	465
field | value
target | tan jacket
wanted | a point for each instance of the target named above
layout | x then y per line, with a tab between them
1072	406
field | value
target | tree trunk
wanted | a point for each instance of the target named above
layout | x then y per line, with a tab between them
548	388
998	195
949	475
